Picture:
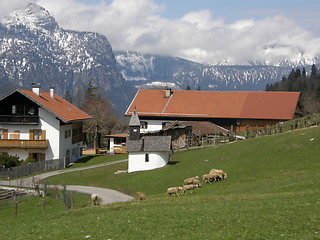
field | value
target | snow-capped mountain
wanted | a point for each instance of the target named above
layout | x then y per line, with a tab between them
154	71
33	48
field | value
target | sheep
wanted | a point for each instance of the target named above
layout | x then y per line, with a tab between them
206	178
197	182
174	190
94	199
140	196
188	187
190	180
221	173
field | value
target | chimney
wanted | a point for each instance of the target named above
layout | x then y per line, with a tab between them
168	92
36	88
51	91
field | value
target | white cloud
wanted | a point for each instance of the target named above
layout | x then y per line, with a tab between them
137	25
7	6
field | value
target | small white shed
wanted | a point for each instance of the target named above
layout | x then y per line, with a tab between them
150	152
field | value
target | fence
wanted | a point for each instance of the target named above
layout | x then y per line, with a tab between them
32	168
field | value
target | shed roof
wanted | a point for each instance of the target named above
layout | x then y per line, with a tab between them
214	104
150	144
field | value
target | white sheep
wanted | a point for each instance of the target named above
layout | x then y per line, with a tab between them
190	180
197	182
174	190
206	178
189	187
221	173
94	199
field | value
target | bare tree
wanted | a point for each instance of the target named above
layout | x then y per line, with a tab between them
102	122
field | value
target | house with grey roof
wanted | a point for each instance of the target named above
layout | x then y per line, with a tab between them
146	152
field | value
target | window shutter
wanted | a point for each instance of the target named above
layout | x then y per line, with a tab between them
30	156
31	135
42	156
43	135
5	134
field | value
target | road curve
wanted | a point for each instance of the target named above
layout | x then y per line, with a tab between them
106	196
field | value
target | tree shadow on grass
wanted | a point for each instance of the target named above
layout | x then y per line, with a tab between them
85	159
173	162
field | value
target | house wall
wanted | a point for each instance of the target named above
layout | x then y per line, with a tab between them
136	161
51	124
70	151
156	125
48	123
153	125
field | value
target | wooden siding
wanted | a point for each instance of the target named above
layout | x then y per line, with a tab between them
24	144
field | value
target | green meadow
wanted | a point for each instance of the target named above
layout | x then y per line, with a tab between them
272	192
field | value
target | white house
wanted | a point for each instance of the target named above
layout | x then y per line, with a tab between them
146	152
40	125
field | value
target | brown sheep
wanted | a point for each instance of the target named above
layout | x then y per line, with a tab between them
140	196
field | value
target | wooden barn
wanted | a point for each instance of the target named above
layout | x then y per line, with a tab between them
238	110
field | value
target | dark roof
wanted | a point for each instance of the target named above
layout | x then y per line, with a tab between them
149	144
215	104
204	128
134	120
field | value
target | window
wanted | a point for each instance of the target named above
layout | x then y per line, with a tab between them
144	124
37	134
164	124
1	134
147	157
14	109
37	156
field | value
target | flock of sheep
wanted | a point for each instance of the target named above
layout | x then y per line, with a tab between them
190	184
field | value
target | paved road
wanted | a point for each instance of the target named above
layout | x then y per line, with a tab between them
105	195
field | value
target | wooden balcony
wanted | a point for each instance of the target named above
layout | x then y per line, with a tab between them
16	119
24	144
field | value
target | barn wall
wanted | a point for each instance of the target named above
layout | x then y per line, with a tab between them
255	123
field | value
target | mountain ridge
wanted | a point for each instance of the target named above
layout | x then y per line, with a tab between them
33	46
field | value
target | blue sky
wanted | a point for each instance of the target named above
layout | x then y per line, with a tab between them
210	31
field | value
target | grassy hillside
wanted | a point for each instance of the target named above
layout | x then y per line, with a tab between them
272	192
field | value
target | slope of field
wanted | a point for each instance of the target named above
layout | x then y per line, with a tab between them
272	192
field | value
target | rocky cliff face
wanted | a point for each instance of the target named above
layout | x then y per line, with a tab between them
33	48
153	71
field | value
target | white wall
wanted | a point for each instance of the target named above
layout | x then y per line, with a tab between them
55	134
136	161
51	124
153	125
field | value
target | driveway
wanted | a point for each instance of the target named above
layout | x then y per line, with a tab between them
105	195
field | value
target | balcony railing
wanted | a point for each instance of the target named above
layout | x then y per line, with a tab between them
24	144
14	119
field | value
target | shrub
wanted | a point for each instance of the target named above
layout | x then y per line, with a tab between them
9	161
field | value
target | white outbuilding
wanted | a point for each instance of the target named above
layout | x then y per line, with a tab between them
146	152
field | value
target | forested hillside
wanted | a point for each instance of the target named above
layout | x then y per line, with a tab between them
299	81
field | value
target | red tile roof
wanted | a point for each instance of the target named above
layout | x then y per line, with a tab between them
212	104
61	108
